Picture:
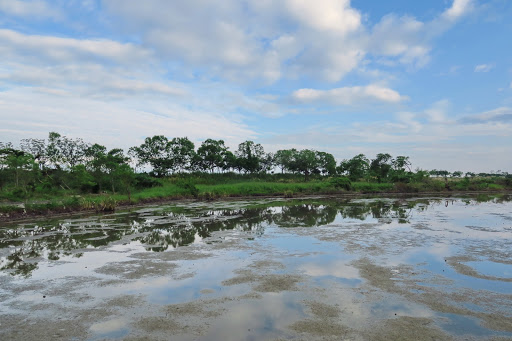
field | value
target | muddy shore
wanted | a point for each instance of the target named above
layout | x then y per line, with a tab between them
70	211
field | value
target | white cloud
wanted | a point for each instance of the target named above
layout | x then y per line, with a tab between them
326	15
271	40
499	115
39	48
34	9
411	40
484	67
437	112
434	138
88	80
349	95
458	9
115	124
252	40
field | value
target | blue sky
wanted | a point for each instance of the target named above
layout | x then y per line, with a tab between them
428	79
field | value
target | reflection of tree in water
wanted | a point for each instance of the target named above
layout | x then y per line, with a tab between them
21	248
307	215
385	211
188	230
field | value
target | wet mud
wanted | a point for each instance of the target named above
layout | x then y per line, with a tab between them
315	269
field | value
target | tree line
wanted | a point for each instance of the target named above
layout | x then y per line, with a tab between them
60	162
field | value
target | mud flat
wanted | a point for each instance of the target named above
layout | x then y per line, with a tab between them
313	269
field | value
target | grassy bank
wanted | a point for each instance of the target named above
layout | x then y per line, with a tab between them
218	186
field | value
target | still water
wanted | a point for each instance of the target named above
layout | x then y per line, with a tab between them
320	268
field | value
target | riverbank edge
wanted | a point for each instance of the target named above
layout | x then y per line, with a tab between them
20	214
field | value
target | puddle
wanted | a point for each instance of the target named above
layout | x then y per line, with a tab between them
492	269
264	269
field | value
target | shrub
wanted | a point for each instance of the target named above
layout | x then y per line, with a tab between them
143	180
406	187
107	205
341	182
189	186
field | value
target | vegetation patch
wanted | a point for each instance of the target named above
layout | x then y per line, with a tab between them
62	174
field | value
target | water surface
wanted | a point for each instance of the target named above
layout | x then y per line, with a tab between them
318	268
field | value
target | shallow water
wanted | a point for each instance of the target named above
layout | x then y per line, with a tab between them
364	269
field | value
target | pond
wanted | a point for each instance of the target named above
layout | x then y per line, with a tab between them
274	269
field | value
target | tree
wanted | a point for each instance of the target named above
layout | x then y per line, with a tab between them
401	163
182	152
305	162
115	165
231	162
72	151
250	156
20	165
37	148
355	168
457	174
326	163
64	152
380	166
267	162
156	152
283	159
401	171
211	154
52	150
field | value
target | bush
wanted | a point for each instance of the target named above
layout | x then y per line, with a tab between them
107	205
402	187
189	186
143	180
341	182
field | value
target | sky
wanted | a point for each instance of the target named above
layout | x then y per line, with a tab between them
431	80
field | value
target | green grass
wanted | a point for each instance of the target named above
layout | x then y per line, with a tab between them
212	186
263	188
372	187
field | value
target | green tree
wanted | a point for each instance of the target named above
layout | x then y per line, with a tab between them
250	155
457	174
156	152
182	153
211	154
326	163
401	163
20	166
283	159
231	162
401	169
305	162
267	162
356	168
380	166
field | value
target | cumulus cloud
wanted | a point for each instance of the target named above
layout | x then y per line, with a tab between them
349	95
251	40
410	40
458	9
326	15
271	40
